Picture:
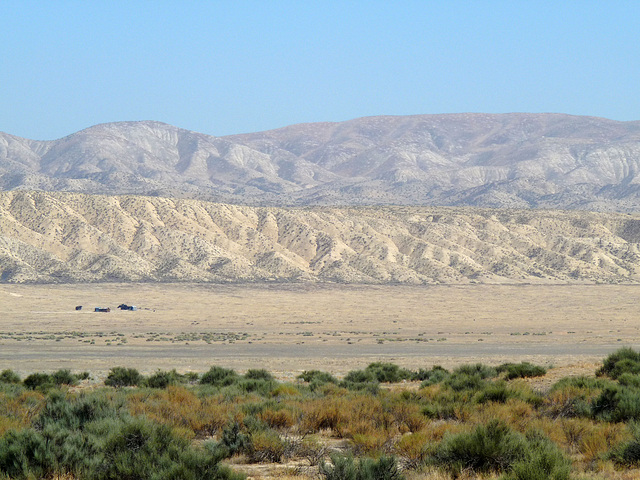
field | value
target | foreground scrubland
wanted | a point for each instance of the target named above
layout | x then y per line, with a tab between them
381	422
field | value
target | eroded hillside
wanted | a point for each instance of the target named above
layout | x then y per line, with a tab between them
64	237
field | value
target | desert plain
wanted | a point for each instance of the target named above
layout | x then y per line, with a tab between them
289	328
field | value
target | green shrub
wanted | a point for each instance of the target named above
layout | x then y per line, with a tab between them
491	448
266	446
624	360
219	377
588	384
627	453
437	374
341	468
521	370
544	461
317	376
483	371
258	374
361	381
360	376
38	380
123	377
235	440
459	382
388	372
162	379
9	376
497	392
25	455
496	448
346	468
617	403
64	377
76	413
629	380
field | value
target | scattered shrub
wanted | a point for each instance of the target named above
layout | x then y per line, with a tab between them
140	449
544	461
219	377
479	369
123	377
317	377
162	379
388	372
361	380
64	377
437	374
491	448
346	468
9	376
25	455
629	380
624	360
259	374
497	448
521	370
38	380
628	453
234	440
266	446
617	403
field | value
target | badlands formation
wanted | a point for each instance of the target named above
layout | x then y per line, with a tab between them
72	237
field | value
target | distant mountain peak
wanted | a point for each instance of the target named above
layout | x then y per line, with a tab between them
507	160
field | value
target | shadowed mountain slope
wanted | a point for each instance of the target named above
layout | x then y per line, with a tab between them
66	237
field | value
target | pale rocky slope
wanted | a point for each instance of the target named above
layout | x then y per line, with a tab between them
500	161
65	237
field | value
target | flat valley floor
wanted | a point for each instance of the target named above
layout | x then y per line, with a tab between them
288	328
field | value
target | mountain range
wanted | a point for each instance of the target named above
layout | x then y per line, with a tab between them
70	237
482	160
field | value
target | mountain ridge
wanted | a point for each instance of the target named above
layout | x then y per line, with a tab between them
68	237
514	160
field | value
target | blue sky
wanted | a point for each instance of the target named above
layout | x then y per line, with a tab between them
241	66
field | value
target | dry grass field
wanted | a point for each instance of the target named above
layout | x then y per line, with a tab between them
289	328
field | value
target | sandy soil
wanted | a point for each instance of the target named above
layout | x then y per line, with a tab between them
290	328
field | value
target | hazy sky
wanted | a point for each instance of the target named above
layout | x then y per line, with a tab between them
240	66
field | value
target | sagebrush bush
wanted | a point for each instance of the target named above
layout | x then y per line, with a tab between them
9	376
628	453
64	377
140	449
617	403
437	374
346	468
624	360
629	380
25	455
162	379
266	446
219	377
361	381
123	377
543	461
38	380
259	374
489	448
235	439
521	370
317	378
388	372
497	448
